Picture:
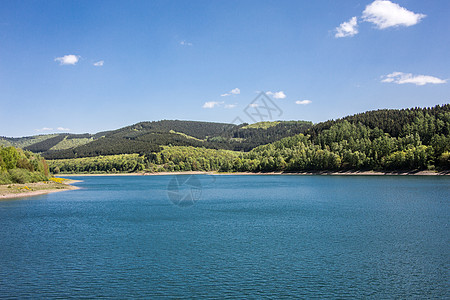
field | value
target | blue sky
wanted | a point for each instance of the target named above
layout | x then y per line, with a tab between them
87	66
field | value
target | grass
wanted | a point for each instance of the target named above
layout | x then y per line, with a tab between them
262	125
186	136
71	143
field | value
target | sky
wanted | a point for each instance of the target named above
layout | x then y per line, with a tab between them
89	66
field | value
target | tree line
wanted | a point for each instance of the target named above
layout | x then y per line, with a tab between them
413	139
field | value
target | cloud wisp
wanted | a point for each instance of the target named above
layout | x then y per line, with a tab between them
99	63
235	91
184	43
346	29
402	78
212	104
51	129
303	102
70	59
44	129
276	95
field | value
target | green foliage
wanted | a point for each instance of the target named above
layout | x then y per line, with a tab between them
25	176
364	141
444	160
171	158
409	159
184	158
18	166
399	123
10	156
100	164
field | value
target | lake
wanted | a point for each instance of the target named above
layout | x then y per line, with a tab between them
230	236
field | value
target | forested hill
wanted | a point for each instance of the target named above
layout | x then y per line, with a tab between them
408	139
148	137
383	140
397	123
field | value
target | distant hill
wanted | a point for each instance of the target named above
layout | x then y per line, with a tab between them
24	141
384	140
387	139
148	137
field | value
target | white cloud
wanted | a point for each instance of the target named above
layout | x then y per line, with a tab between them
349	28
184	43
212	104
51	129
277	95
99	63
303	102
235	91
230	106
402	78
68	59
44	129
253	105
385	14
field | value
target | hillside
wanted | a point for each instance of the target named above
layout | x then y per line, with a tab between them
23	142
149	137
407	139
383	140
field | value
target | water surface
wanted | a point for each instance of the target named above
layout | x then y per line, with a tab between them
244	236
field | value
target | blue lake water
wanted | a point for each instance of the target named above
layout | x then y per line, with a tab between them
230	237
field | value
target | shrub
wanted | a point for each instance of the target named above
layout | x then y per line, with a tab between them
20	175
5	178
24	176
444	160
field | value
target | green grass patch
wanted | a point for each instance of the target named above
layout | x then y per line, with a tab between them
262	125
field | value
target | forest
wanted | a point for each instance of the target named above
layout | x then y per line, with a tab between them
19	166
382	140
150	137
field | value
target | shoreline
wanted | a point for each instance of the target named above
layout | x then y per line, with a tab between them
332	173
53	188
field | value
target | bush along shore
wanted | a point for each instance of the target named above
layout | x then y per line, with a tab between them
20	166
23	173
